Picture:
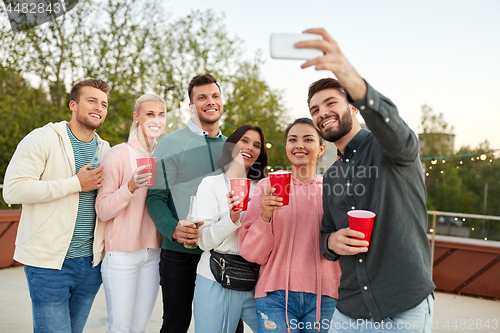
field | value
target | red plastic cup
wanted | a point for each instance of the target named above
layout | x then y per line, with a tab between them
149	162
280	180
241	188
362	220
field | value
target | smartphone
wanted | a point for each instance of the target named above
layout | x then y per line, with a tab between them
282	46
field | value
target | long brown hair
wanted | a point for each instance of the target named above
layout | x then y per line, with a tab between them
258	168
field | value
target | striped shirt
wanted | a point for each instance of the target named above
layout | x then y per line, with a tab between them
83	236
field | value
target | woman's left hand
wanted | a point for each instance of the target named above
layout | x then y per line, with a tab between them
138	180
232	201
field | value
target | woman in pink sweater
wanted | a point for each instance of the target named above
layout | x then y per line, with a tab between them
130	269
285	241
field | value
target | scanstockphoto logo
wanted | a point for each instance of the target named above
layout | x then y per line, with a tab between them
26	14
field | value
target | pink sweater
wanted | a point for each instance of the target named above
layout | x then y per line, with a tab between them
288	248
128	226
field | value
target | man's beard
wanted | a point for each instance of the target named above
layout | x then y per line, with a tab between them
345	125
207	120
83	121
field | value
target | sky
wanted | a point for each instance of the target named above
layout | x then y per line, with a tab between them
445	53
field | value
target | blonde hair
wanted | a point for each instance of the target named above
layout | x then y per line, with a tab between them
138	105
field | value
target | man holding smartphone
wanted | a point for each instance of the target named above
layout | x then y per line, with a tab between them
387	286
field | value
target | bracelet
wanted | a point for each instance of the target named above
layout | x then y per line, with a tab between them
265	220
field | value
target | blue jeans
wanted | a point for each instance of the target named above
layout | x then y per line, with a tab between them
217	309
271	315
61	299
418	319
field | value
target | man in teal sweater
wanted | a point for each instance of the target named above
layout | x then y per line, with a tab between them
183	159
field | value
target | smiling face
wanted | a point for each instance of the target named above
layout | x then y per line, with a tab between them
331	114
152	118
303	145
91	108
208	103
249	148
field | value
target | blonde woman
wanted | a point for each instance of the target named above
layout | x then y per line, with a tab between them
130	269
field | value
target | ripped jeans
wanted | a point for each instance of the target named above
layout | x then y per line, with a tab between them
301	312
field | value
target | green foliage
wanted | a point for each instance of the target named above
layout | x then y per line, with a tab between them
482	177
251	101
437	136
23	109
132	46
480	174
137	48
446	192
465	183
433	123
194	45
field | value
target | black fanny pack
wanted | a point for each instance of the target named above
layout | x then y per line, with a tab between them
233	271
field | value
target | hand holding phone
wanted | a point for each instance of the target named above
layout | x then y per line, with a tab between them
282	46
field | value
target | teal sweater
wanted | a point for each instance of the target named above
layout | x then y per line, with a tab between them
183	159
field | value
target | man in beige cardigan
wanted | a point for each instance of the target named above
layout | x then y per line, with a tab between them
57	241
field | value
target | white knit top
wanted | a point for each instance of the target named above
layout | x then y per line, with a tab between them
218	231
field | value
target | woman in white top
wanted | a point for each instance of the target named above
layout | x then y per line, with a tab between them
217	309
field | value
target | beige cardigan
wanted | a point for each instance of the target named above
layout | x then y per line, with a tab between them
41	176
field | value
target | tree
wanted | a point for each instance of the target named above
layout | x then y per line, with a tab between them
252	101
46	51
194	45
23	109
464	182
481	175
136	47
128	43
480	172
437	135
445	188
